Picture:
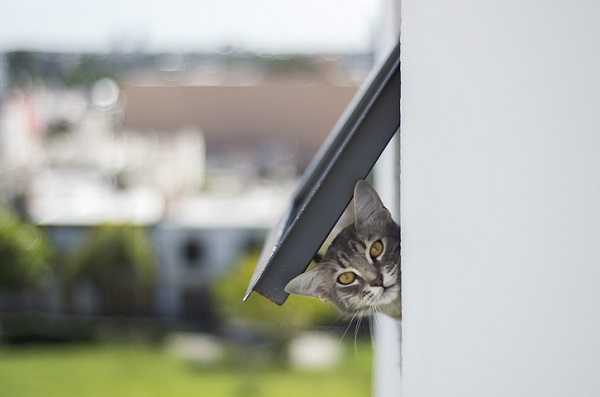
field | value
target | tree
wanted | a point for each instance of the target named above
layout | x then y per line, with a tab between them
281	323
25	253
119	261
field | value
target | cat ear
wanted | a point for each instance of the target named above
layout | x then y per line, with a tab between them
368	207
310	283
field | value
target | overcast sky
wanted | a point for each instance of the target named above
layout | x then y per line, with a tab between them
189	25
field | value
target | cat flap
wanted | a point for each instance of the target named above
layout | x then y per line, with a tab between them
326	188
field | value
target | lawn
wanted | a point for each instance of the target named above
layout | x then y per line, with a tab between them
146	371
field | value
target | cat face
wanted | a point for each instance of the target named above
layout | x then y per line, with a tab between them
360	272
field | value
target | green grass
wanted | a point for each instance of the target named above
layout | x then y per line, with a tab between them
114	370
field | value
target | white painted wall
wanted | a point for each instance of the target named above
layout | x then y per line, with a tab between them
387	372
501	197
387	332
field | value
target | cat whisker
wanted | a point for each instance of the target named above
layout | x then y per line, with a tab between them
371	331
356	335
347	328
371	325
334	321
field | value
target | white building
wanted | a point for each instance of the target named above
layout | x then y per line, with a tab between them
500	198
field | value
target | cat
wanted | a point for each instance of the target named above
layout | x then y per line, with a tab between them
360	272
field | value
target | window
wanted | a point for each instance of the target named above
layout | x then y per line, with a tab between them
326	188
193	252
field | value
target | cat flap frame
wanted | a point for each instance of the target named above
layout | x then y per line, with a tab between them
327	186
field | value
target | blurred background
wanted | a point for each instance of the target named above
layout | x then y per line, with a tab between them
146	148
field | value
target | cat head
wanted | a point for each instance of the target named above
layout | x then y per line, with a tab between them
360	272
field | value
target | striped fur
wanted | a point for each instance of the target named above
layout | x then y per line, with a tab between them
376	287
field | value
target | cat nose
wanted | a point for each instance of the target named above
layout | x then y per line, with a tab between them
378	281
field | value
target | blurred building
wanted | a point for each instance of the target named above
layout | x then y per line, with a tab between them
267	125
207	167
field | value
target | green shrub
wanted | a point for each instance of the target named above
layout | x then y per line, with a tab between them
25	254
119	262
114	254
281	322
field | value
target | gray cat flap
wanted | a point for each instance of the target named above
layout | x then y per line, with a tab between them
326	188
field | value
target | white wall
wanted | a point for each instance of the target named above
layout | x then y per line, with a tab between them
387	332
501	197
387	374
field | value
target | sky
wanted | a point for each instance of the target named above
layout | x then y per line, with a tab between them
190	25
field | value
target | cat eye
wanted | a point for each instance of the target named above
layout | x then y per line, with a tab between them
376	249
346	278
